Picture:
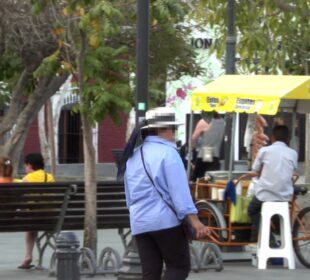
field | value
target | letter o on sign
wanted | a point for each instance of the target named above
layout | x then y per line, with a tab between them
198	43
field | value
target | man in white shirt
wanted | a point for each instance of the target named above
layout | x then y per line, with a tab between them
275	166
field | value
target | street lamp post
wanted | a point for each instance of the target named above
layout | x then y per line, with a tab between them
131	266
230	69
231	38
142	58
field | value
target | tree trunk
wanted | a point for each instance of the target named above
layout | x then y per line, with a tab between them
90	219
14	153
51	136
90	222
45	150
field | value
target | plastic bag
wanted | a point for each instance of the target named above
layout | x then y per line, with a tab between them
207	154
251	191
239	211
239	188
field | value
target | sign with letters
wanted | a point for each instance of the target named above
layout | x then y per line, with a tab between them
228	103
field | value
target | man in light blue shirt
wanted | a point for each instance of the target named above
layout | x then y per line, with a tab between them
158	198
275	167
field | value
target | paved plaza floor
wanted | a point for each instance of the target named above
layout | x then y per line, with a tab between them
12	250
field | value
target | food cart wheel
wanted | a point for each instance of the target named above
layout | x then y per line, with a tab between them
301	236
210	215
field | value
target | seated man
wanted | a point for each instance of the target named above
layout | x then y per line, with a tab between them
275	166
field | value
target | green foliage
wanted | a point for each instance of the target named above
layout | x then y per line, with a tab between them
109	56
109	91
50	65
171	54
4	95
104	68
270	36
38	5
168	10
10	68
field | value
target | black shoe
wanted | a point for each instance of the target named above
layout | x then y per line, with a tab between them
274	244
254	236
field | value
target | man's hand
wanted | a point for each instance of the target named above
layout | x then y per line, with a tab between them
295	177
246	176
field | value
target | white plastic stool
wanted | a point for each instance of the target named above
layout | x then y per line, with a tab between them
264	252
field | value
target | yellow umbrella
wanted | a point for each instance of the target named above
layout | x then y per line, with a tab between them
262	94
251	94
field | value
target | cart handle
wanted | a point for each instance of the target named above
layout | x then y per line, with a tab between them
247	176
256	174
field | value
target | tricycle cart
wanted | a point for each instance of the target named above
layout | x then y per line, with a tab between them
262	94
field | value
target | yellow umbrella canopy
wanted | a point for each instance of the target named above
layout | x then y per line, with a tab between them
252	94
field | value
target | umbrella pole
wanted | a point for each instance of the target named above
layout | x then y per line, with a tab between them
190	144
232	141
293	138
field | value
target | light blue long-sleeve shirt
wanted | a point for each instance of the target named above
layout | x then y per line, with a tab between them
277	164
148	211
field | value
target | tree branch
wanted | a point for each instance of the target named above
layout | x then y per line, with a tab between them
289	7
44	90
10	117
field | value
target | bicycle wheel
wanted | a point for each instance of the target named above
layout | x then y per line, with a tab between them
301	236
210	215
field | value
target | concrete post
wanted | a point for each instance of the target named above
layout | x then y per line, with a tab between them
67	255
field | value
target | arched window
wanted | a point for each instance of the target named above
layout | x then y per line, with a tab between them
70	138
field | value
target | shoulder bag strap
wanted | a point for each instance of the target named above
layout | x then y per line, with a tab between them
148	175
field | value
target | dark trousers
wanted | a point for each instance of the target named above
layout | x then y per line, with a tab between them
254	212
169	246
202	166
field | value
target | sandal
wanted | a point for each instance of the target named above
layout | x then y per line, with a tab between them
26	266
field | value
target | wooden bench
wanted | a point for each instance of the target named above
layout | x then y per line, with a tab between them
112	212
37	207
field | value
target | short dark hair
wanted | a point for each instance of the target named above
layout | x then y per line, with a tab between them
207	116
35	160
281	133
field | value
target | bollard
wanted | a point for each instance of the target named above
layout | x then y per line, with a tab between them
67	255
131	267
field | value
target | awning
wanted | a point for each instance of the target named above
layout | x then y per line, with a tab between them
252	94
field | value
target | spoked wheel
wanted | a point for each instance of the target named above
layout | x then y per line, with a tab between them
210	215
211	257
301	236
